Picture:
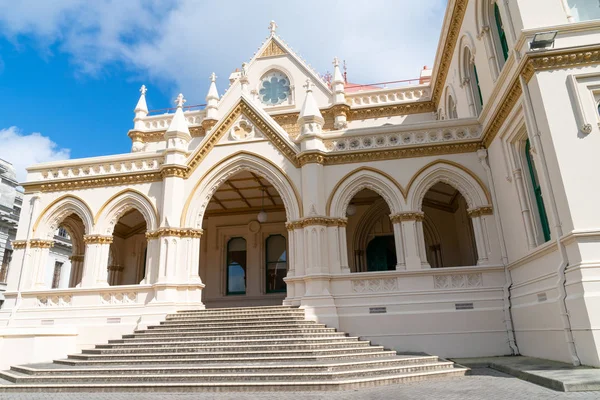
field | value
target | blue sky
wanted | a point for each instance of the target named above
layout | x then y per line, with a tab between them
70	70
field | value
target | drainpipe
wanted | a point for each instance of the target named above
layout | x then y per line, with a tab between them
534	136
508	318
567	9
19	300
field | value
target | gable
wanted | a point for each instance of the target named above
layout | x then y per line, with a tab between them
254	120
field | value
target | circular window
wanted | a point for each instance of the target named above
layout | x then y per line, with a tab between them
274	88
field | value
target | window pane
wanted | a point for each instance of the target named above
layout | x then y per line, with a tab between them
276	263
236	266
584	10
276	248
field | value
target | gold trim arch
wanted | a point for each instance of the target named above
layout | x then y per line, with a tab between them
118	204
195	206
54	213
455	175
365	178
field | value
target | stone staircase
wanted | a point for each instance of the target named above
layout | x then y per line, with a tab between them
244	349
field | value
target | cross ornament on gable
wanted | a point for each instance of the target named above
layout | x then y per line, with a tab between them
272	27
143	90
180	100
309	85
213	77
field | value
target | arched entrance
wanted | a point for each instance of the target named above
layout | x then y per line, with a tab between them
242	206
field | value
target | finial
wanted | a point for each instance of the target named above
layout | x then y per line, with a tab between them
272	27
244	68
180	100
143	90
213	77
309	85
336	62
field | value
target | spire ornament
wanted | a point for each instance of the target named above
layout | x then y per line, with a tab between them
180	100
272	27
143	90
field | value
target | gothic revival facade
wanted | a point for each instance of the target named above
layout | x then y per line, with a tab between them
454	215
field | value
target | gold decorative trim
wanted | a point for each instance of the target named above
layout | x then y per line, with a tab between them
65	185
18	244
159	136
178	232
479	211
97	239
76	258
407	216
458	14
272	49
174	171
326	221
208	124
225	125
41	244
505	108
389	154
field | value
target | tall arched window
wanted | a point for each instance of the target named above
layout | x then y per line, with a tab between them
236	266
537	193
471	82
452	114
501	42
276	263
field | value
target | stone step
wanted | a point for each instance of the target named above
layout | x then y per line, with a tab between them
227	332
225	348
238	309
247	342
214	357
170	376
192	337
233	321
294	313
202	327
230	368
341	384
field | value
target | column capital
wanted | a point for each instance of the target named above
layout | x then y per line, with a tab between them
407	216
178	232
18	244
41	244
324	221
97	239
479	211
76	258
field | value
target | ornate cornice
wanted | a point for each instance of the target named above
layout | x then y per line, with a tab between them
67	185
41	244
208	124
388	154
178	232
458	14
18	244
174	170
407	216
390	110
97	239
479	211
323	221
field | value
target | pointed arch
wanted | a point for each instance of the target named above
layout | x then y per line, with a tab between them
51	217
450	102
119	204
465	58
195	206
365	178
455	175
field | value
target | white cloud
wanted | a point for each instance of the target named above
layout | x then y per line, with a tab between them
25	150
178	43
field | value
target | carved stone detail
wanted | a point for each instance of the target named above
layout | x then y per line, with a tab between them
374	285
458	281
63	300
97	239
407	216
118	298
178	232
479	211
41	244
326	221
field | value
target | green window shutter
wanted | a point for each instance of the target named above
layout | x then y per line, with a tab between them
501	33
478	88
537	190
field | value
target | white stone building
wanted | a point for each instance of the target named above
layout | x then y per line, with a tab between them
455	215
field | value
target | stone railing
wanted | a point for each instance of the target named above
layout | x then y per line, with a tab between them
364	98
421	134
161	122
89	168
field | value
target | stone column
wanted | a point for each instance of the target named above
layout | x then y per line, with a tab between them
76	269
481	240
410	241
95	264
40	249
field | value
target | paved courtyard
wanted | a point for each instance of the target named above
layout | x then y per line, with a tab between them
482	384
